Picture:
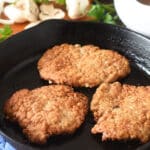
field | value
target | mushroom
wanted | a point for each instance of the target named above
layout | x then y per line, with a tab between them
4	21
30	9
9	1
14	14
1	6
22	11
48	11
77	8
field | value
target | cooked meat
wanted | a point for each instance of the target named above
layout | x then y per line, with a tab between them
122	112
46	111
85	66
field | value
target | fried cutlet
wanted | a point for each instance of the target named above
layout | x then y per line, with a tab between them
122	112
46	111
85	66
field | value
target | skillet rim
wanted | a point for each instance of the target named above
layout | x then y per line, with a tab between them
113	27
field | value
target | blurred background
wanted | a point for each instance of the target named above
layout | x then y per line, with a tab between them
16	15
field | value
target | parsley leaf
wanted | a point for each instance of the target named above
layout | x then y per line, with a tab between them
61	2
41	1
104	13
97	12
5	32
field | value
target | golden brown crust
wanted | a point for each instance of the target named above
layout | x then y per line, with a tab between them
122	112
46	111
86	66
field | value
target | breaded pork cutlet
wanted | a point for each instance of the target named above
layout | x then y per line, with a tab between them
46	111
85	66
122	112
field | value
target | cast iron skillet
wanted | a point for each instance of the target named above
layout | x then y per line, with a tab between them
18	59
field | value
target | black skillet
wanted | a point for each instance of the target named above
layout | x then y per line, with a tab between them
18	59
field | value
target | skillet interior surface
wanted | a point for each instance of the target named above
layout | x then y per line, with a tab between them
18	61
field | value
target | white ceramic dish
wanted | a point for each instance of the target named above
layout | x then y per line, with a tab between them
134	14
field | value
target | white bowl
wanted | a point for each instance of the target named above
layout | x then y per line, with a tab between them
134	14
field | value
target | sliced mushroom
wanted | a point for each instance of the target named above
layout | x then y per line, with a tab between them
30	9
4	21
48	11
1	6
77	8
22	11
9	1
14	14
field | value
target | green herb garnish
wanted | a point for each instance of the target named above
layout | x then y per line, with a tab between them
103	12
41	1
60	2
5	32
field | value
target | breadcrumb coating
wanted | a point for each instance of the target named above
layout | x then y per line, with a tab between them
85	66
122	112
46	111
